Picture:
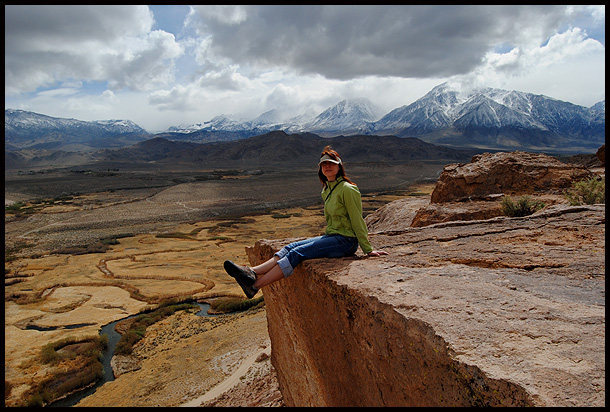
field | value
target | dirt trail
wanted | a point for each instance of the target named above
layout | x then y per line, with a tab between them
227	384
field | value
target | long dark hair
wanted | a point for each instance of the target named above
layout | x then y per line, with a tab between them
333	154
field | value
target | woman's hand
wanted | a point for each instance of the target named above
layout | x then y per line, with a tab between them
376	253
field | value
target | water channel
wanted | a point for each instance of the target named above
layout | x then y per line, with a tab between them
113	339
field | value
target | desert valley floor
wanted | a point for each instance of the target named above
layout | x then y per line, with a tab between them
77	259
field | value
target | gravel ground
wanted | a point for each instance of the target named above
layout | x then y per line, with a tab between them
100	214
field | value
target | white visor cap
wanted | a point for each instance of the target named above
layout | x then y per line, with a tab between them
327	158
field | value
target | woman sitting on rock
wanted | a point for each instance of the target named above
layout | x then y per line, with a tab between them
345	230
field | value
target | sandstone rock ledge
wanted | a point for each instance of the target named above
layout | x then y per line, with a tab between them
500	312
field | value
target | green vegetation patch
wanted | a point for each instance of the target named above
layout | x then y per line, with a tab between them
71	348
230	223
285	215
223	239
100	246
86	353
14	208
219	174
174	235
11	251
227	305
22	209
524	206
588	192
137	329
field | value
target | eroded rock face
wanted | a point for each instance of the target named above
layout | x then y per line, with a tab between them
505	172
502	312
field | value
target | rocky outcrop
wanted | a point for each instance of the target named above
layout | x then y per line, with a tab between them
500	312
395	215
601	154
475	190
505	172
473	209
452	211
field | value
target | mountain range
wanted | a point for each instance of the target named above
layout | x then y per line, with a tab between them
484	118
487	118
23	129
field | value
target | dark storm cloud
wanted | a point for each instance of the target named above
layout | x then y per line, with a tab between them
38	27
49	43
345	42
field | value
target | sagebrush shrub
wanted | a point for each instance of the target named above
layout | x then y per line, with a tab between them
524	206
588	192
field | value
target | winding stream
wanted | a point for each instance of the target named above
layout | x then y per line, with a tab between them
113	339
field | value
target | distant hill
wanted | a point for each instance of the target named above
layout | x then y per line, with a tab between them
280	148
25	159
277	149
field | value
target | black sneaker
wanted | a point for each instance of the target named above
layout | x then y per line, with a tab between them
244	276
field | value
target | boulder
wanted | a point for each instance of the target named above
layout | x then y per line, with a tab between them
501	312
505	172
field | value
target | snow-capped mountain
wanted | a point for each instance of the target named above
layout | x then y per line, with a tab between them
17	120
598	109
220	122
431	112
295	123
186	128
346	117
28	129
489	117
442	107
482	110
269	118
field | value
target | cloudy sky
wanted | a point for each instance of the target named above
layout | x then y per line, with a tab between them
163	66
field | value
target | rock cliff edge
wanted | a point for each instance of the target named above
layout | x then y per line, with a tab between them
501	312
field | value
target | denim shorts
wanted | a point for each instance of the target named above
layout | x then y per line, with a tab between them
325	246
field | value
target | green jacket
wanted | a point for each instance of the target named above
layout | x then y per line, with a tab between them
343	212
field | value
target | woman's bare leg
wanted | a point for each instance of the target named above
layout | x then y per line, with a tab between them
267	272
266	266
274	274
